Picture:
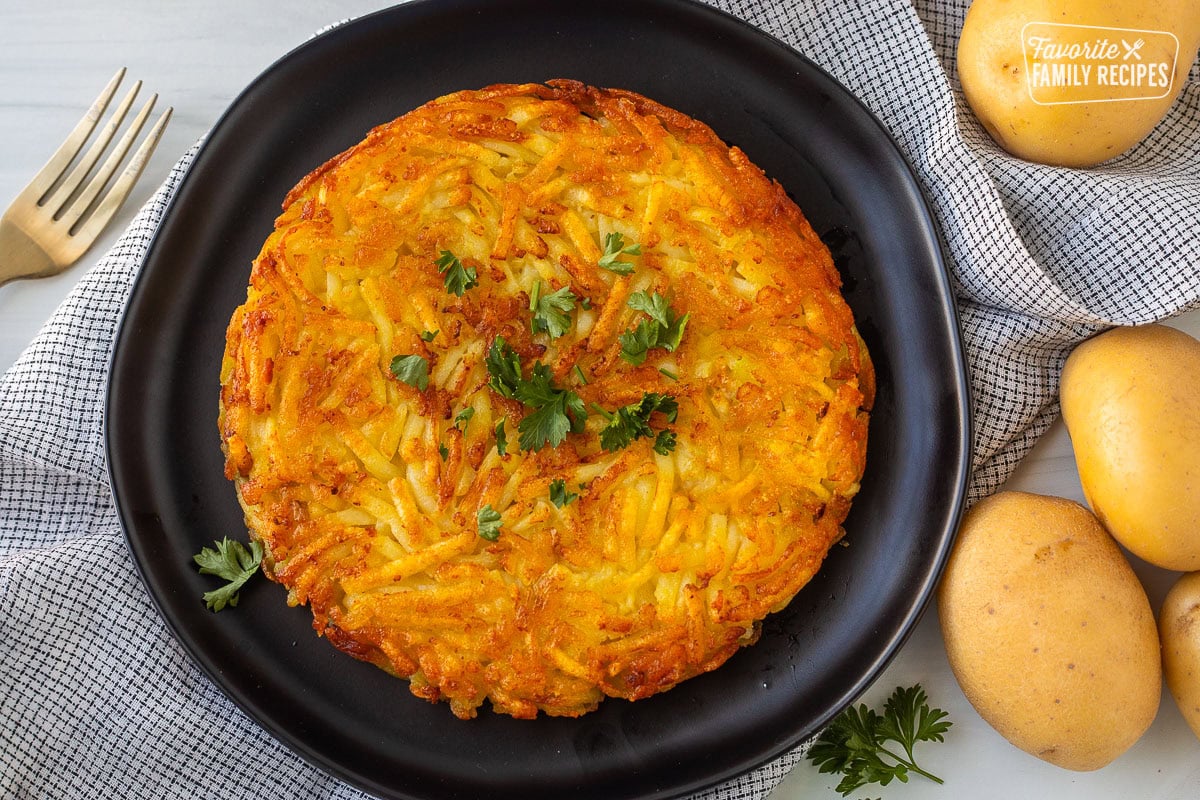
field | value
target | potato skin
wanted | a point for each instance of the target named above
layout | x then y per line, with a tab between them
1048	631
1179	630
1131	403
991	67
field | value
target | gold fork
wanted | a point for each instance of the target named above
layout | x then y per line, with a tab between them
55	219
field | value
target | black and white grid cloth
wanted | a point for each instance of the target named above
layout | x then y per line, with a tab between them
97	699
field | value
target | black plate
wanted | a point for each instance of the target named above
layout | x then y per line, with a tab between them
348	717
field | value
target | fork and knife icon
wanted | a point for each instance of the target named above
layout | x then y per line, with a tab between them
1131	50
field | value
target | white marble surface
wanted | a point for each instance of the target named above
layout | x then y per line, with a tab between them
55	57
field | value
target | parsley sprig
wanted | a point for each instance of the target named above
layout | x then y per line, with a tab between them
614	248
411	369
456	277
559	494
556	411
463	417
632	422
487	521
551	312
501	437
663	328
232	561
504	368
853	744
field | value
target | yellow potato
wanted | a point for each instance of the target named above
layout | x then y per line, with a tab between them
1179	629
1131	402
1042	101
1048	630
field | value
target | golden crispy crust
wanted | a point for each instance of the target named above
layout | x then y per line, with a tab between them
666	564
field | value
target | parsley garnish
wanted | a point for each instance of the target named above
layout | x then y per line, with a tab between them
501	438
457	278
551	312
487	519
614	248
443	451
555	411
632	422
460	421
664	328
559	494
668	374
231	561
412	369
428	336
853	744
504	367
654	305
582	378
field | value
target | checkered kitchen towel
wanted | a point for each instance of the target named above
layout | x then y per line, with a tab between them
97	700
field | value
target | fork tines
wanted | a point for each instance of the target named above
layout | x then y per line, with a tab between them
65	195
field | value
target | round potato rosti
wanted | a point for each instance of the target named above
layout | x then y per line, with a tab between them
542	393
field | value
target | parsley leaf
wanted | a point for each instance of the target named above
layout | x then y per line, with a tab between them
655	305
614	248
546	425
457	278
552	312
443	451
670	338
636	343
501	437
559	494
632	422
853	744
504	367
539	389
460	421
231	561
908	719
663	329
663	403
428	336
555	411
487	520
412	369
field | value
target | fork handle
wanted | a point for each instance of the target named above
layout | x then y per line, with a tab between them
20	256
